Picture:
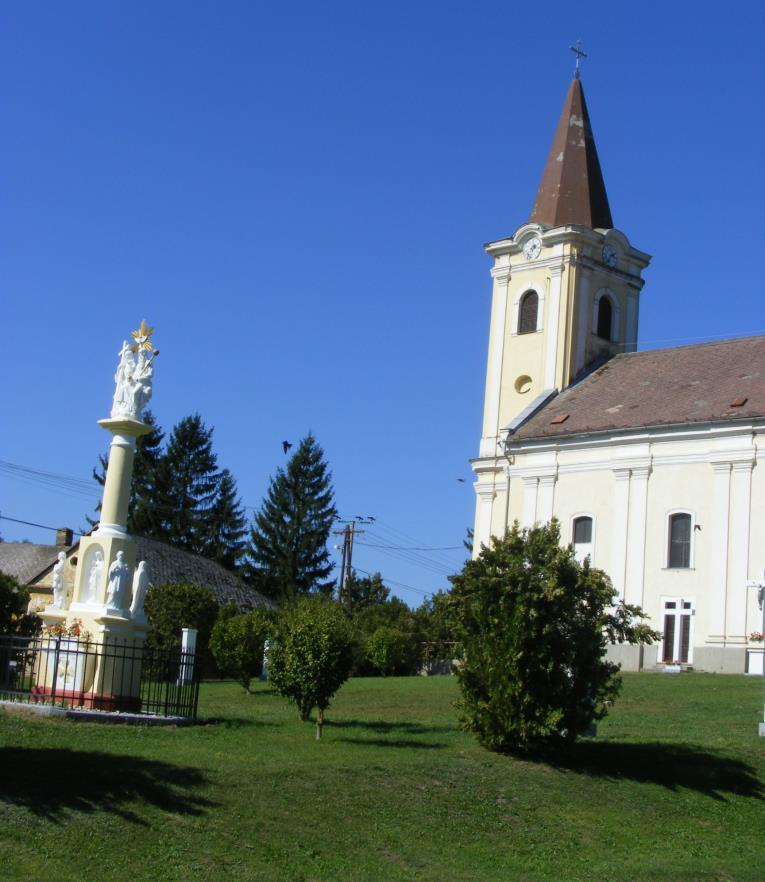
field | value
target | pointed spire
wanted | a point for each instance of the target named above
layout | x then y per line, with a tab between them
572	189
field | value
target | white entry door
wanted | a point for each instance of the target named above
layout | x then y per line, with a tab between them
677	622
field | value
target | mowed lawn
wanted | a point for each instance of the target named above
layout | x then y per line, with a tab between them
671	788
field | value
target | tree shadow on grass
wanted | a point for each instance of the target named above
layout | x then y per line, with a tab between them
672	766
52	782
235	722
383	726
408	743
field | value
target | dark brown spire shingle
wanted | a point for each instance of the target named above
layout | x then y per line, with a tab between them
572	189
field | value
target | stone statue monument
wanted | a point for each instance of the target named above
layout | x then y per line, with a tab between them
140	587
93	575
135	372
59	584
119	574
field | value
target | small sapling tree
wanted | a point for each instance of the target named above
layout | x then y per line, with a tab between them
532	626
237	644
310	655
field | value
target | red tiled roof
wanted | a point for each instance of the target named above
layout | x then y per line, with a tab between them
687	384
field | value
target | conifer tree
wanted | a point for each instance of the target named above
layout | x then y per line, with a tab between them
187	480
287	555
226	525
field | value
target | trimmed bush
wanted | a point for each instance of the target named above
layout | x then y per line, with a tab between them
237	642
532	626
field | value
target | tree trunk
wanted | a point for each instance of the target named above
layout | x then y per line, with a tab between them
319	723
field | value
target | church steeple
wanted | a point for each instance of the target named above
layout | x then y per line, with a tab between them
572	190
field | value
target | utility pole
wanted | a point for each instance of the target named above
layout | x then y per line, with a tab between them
345	582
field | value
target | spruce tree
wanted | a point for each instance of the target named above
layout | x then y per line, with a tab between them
226	525
288	556
186	483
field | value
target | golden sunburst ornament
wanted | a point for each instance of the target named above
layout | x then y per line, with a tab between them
142	337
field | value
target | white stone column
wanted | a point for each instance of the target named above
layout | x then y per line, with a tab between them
501	276
631	324
583	324
739	551
553	318
638	507
482	532
718	545
620	524
545	499
529	502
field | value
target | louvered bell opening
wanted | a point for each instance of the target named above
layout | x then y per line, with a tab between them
527	319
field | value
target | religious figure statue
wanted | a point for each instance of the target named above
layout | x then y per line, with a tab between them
95	566
140	587
119	573
135	372
59	585
141	383
122	380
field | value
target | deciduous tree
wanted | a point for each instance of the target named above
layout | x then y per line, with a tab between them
311	655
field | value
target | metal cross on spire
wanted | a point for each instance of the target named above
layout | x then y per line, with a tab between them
577	50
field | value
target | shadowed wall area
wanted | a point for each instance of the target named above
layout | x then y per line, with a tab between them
52	782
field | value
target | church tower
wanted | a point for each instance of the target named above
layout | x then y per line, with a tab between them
566	290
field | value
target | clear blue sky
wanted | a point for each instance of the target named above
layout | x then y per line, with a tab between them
296	197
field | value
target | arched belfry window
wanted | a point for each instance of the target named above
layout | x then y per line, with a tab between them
527	314
605	315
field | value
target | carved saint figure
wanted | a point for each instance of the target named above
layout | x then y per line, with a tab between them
119	574
122	379
140	587
140	386
95	567
59	588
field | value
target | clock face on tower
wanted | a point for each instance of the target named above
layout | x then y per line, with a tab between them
610	255
532	248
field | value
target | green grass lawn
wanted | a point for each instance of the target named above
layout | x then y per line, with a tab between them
672	788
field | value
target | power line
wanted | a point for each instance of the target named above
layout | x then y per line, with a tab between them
32	524
414	547
400	584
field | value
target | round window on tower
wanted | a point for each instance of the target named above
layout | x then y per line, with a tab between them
523	384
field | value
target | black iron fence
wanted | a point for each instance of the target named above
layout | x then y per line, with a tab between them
116	675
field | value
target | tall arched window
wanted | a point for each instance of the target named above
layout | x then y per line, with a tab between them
605	313
679	553
527	313
582	537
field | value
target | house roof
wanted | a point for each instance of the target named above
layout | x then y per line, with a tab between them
24	561
688	384
572	190
166	564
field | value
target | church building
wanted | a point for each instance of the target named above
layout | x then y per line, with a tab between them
651	461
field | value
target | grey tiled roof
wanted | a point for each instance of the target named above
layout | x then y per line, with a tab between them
708	382
24	561
167	564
